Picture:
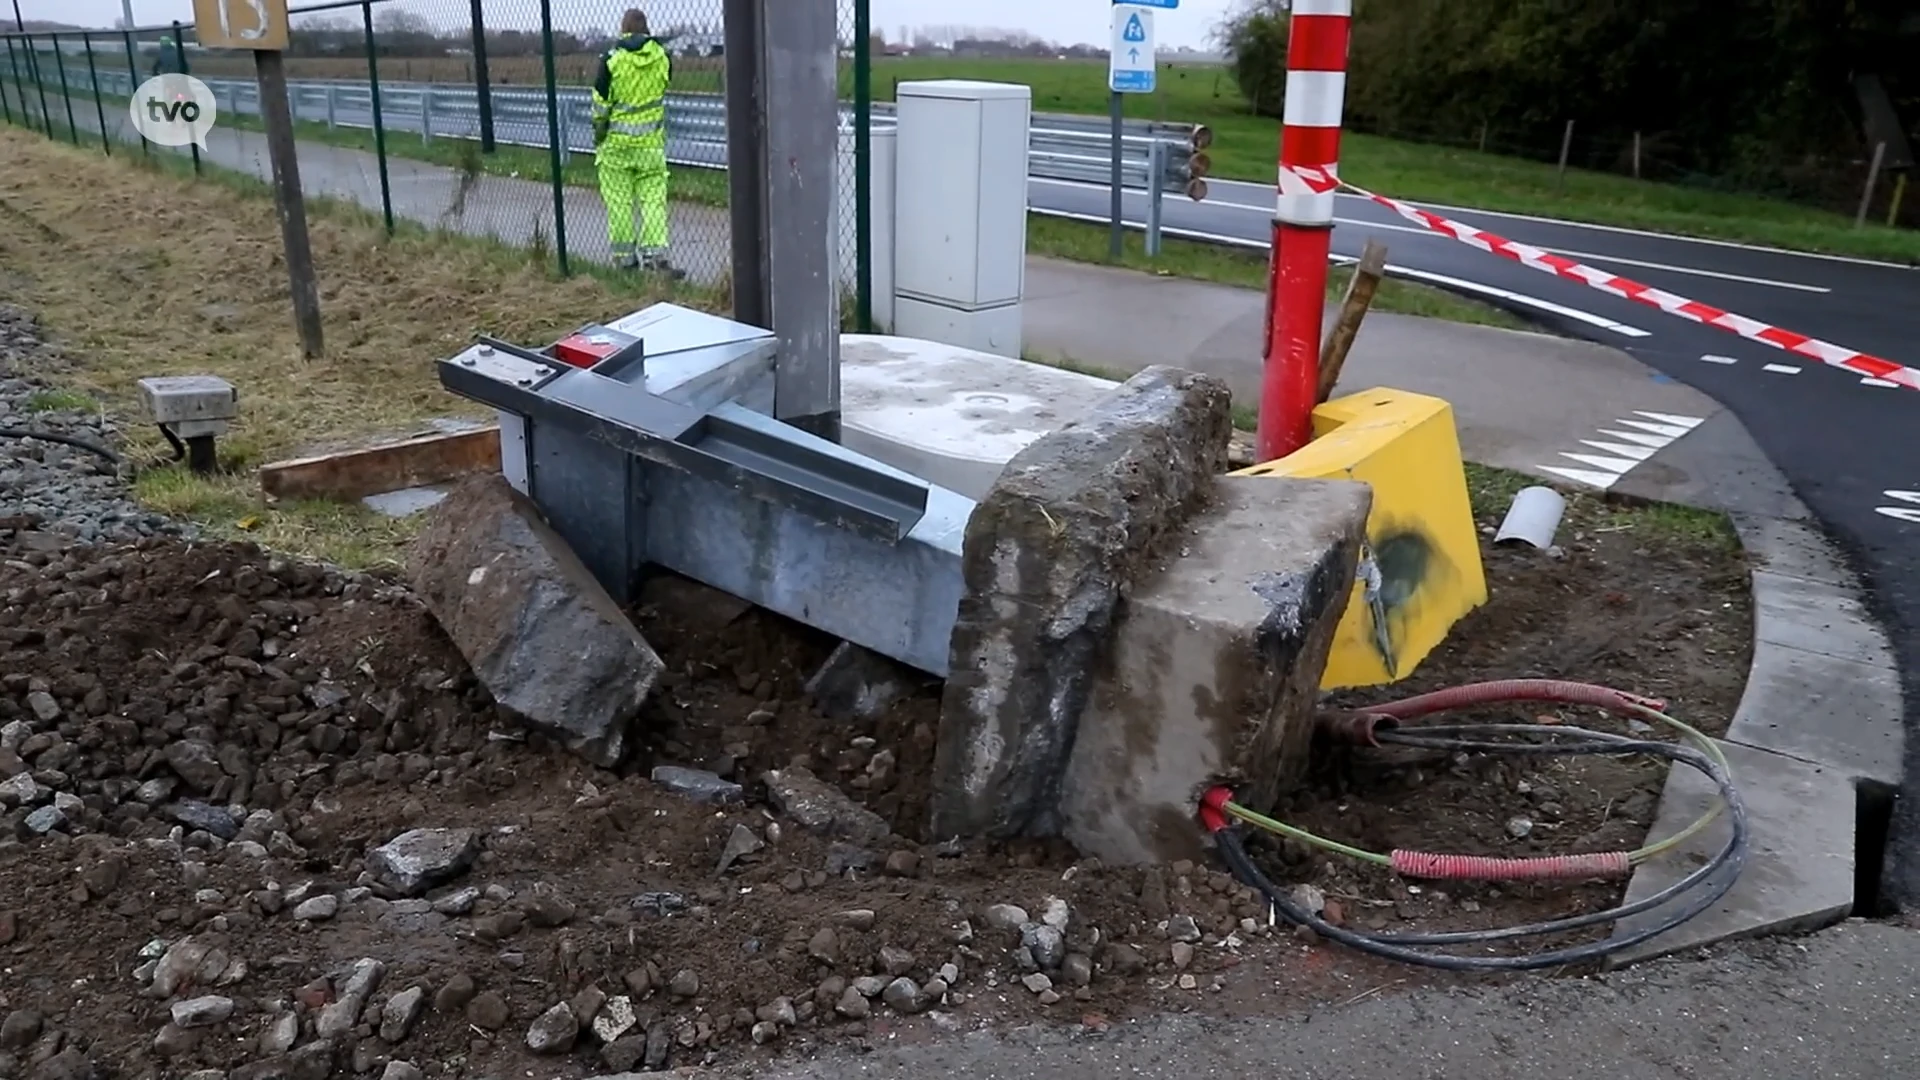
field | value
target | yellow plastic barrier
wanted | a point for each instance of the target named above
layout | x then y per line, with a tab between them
1421	571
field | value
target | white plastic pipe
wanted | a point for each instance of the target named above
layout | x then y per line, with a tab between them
1533	518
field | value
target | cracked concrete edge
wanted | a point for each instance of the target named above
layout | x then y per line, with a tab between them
1821	712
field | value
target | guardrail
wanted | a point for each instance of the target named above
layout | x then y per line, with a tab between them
1156	157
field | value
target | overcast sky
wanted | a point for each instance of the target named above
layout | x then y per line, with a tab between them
1065	21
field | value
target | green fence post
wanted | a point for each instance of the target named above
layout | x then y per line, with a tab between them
863	165
553	139
14	81
99	106
379	128
39	86
66	90
180	51
133	83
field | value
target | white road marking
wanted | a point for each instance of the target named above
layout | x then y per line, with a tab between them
1782	369
1624	230
1909	514
1396	271
1879	382
1606	469
1712	359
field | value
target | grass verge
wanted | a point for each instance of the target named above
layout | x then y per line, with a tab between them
1491	490
198	288
1080	241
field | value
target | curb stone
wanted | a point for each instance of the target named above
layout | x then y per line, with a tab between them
1820	714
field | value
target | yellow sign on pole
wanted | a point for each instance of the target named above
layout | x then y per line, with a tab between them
241	24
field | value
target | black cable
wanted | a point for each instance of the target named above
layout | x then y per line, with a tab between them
48	436
179	448
1726	865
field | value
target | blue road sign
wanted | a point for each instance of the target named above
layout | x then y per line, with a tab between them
1131	65
1165	5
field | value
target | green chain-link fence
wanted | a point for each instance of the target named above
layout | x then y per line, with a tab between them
472	116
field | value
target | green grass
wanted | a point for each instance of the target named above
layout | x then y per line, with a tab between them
1245	146
1491	490
1082	241
60	401
227	505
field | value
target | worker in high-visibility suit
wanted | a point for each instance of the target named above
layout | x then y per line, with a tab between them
630	144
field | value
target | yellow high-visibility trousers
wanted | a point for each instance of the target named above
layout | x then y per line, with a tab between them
633	180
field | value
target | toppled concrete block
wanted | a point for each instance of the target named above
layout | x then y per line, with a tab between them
1073	518
857	683
534	624
817	805
1215	669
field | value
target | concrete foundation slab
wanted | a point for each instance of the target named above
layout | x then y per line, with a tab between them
951	415
1817	618
1074	518
1823	710
1215	667
1799	873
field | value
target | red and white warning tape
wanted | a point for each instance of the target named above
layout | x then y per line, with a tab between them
1525	254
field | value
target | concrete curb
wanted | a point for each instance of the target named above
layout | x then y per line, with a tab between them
1820	716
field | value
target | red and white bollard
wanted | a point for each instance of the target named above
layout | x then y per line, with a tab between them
1303	222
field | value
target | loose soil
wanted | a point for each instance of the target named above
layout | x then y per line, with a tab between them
197	739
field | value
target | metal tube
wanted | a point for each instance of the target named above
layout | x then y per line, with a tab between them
66	91
553	139
379	128
482	85
180	50
1303	224
1156	193
14	66
1899	193
1117	195
1566	148
863	164
1873	180
99	107
39	84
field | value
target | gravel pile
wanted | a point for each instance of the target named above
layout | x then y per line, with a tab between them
68	491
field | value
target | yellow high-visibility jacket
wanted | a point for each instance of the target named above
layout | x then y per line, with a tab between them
630	96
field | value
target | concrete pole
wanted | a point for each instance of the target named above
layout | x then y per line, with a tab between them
1303	223
800	49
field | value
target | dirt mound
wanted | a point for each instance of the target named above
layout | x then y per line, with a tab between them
258	817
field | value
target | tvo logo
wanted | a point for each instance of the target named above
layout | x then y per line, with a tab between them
173	110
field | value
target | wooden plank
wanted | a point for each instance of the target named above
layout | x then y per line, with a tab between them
356	474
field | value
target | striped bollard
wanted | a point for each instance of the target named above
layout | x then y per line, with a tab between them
1303	223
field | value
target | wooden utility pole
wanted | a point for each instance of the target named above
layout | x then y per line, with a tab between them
260	26
1353	309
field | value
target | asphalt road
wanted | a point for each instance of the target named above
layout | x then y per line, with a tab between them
1849	447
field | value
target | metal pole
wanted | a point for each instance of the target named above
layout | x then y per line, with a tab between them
1873	181
126	13
99	107
746	147
482	85
863	164
1636	155
1899	193
553	138
180	51
39	84
379	127
133	82
1302	224
801	107
1156	192
277	118
1566	148
6	103
66	91
19	89
1116	201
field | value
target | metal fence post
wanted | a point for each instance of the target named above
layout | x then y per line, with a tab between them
379	129
863	164
6	103
133	83
1156	192
746	149
566	136
99	107
1873	181
180	51
39	86
66	89
426	115
333	108
19	91
482	85
553	139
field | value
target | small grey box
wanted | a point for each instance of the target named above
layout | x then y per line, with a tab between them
175	399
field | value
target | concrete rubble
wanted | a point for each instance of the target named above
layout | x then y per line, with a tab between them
537	628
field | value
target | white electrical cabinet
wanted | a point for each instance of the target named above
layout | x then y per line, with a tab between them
961	200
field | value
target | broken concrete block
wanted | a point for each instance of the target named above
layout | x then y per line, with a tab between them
817	805
535	625
1075	516
697	784
857	683
420	859
1215	669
